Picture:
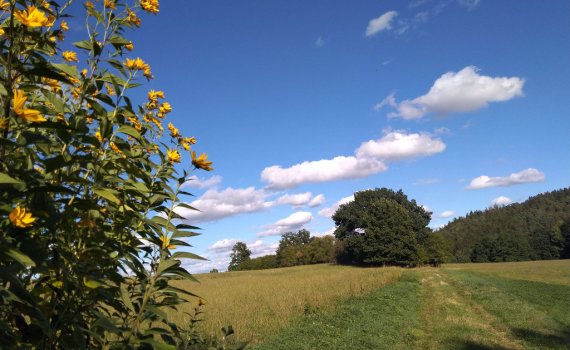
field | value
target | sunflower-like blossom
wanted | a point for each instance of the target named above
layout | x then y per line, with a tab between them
21	218
33	17
174	132
133	19
201	162
150	6
70	56
166	242
173	156
30	115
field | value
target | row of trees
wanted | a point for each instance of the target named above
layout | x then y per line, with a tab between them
295	248
380	227
537	229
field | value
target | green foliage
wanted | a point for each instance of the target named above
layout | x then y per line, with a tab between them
88	190
240	253
382	227
534	230
295	248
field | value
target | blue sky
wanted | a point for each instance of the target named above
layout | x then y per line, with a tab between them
461	104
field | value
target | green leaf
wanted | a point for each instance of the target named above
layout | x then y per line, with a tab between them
20	257
5	179
107	194
187	255
126	298
129	130
67	69
84	44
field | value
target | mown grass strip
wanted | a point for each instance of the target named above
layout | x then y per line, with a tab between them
535	313
383	319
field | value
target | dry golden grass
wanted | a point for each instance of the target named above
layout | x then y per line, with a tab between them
259	303
551	271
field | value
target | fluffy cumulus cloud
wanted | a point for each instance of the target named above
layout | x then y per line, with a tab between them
260	248
317	200
456	92
524	176
215	205
296	200
195	181
224	245
293	222
446	214
381	23
399	145
329	212
501	201
338	168
369	159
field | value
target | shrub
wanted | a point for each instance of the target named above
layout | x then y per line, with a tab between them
88	188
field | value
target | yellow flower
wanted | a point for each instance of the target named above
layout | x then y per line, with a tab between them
136	64
110	4
201	162
133	19
110	89
32	17
129	46
53	84
146	71
20	218
166	243
70	56
30	115
150	6
153	96
174	132
4	5
173	156
186	142
89	5
64	26
164	109
99	137
136	123
3	123
2	32
116	149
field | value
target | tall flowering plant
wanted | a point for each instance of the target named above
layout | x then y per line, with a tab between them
89	234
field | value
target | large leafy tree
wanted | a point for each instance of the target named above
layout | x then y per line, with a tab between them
383	227
240	254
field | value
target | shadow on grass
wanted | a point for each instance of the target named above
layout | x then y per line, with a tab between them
462	344
560	340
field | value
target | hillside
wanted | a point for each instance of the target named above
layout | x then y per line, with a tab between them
537	229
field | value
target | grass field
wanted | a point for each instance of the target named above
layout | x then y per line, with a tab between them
469	306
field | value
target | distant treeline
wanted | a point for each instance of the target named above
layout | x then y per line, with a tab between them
538	229
294	249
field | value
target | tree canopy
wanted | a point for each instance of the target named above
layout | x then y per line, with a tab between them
382	226
240	254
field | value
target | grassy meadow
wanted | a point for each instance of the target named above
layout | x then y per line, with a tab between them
522	305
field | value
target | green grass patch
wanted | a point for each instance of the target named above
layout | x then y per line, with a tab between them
387	318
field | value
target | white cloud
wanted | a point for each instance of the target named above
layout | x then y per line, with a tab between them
338	168
383	22
225	245
446	214
195	181
501	201
456	92
329	212
329	232
215	205
524	176
470	4
296	200
320	42
293	222
317	200
427	208
398	145
260	248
